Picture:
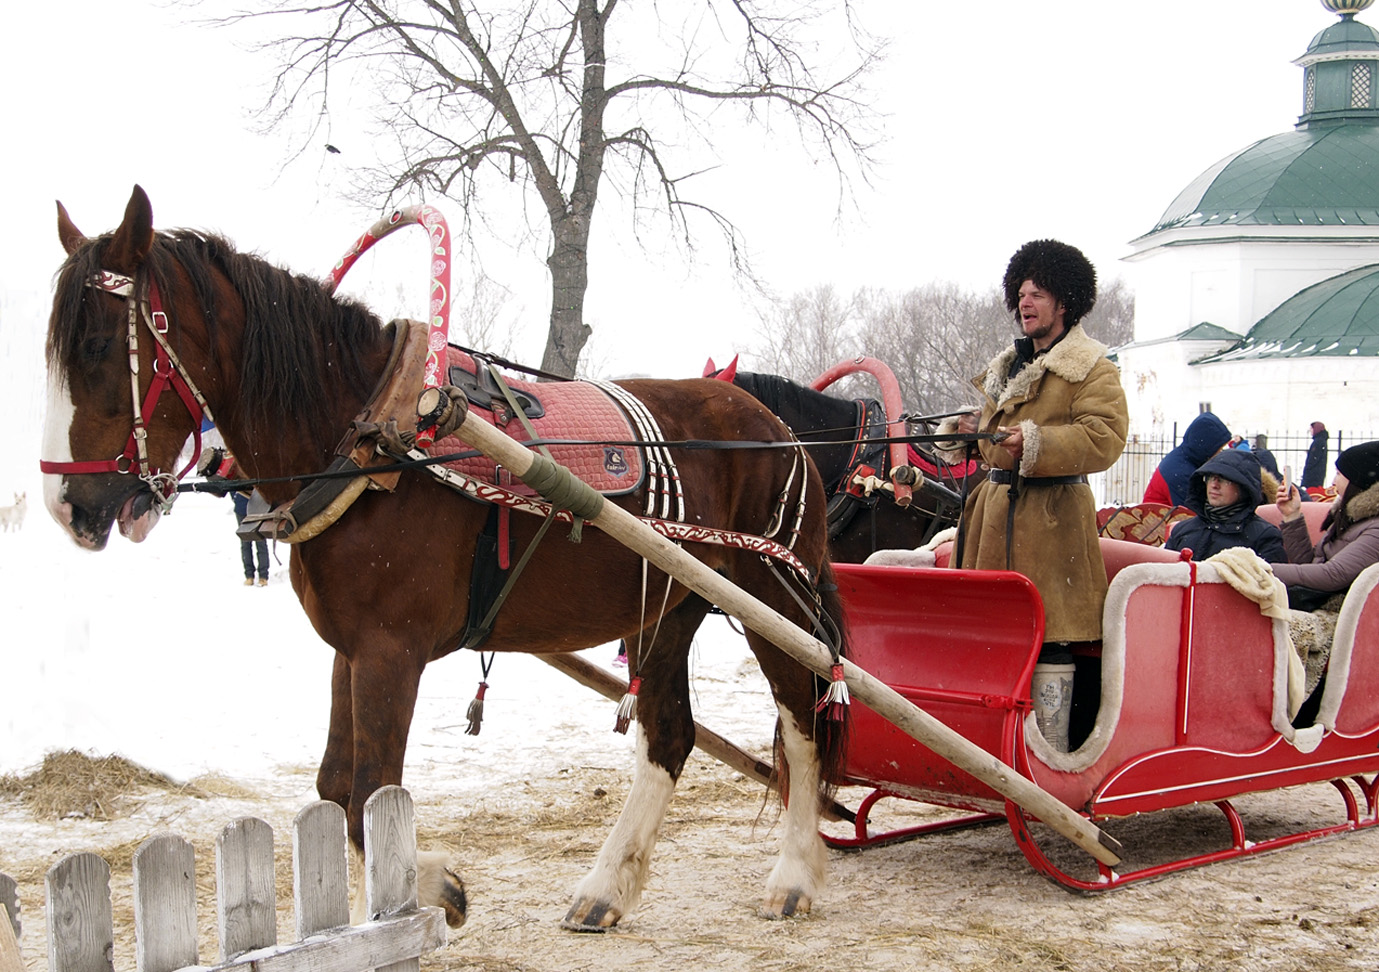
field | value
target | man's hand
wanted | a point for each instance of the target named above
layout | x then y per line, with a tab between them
1014	441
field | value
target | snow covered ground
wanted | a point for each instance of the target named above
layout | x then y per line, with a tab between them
157	652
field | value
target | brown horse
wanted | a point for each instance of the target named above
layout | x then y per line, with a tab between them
284	368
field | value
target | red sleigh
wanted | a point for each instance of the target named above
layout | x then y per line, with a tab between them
1191	707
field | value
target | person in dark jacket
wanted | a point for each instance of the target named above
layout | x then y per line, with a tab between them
1204	437
1267	462
1314	466
1224	493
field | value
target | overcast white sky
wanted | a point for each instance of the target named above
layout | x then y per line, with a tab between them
1006	120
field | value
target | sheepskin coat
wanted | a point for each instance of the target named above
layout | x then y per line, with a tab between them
1069	404
1339	556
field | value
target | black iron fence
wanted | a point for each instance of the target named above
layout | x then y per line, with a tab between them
1125	482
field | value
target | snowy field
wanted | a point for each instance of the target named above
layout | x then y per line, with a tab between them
157	652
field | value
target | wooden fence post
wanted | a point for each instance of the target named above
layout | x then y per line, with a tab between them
390	859
245	892
320	872
164	904
10	929
81	936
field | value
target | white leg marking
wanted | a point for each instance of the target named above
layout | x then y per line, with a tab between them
799	872
620	872
359	911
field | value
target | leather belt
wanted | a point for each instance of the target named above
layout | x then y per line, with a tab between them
1004	477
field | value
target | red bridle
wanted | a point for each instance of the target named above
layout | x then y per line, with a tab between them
167	372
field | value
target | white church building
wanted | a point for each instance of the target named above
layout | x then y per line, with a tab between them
1257	292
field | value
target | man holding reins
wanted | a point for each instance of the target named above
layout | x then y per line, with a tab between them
1055	404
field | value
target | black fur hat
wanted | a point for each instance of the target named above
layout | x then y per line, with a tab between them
1360	464
1060	269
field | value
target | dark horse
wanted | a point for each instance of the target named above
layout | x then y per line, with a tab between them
860	523
284	368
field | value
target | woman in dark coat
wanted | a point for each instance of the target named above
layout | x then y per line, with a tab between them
1223	493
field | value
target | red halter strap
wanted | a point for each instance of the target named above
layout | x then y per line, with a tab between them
167	372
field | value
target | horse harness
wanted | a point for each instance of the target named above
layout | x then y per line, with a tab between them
168	372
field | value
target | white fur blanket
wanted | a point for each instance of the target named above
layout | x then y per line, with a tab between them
918	557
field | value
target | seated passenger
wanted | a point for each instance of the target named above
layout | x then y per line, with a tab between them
1317	577
1204	437
1351	541
1224	492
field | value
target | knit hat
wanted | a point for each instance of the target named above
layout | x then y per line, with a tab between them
1060	269
1360	464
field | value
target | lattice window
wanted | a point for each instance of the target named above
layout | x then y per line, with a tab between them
1360	96
1309	90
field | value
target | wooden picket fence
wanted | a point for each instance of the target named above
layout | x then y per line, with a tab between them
81	939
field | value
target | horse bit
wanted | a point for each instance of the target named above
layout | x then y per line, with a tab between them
168	370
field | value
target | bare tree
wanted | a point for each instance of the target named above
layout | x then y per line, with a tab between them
935	338
478	95
1112	319
807	334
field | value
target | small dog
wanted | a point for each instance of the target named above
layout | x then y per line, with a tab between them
12	517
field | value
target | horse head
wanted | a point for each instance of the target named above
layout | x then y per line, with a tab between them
111	439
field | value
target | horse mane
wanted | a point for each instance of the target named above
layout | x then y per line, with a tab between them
302	348
794	402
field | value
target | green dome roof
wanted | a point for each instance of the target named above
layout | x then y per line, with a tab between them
1347	34
1307	177
1338	317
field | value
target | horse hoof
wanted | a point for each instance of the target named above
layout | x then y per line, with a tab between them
784	906
590	916
453	899
440	887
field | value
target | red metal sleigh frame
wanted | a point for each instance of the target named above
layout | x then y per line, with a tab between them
1192	708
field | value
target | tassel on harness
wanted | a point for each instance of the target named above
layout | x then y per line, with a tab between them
836	699
475	712
627	707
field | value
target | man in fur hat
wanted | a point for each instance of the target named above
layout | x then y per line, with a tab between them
1056	401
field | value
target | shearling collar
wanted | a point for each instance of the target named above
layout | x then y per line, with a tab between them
1071	359
1363	506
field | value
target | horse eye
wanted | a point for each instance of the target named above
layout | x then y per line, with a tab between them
94	349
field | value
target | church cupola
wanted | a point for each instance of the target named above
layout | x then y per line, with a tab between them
1341	71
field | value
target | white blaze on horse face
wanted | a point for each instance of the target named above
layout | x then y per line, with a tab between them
57	430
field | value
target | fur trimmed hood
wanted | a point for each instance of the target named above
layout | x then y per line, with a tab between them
1363	506
1071	359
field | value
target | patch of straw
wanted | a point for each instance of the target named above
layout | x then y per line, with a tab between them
74	784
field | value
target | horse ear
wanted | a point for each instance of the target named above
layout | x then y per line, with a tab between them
67	232
722	374
134	239
709	366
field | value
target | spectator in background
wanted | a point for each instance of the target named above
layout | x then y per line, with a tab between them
1267	462
1314	466
217	465
1224	493
1206	435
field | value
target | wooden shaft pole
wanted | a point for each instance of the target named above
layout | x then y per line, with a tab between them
720	748
880	697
